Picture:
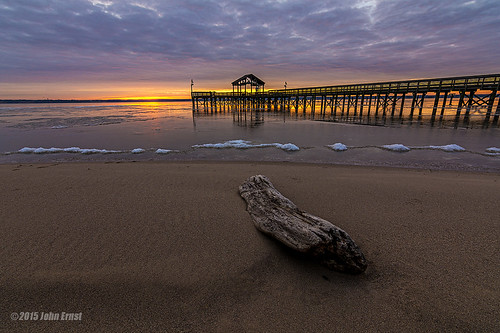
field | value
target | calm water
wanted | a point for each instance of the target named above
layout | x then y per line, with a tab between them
123	127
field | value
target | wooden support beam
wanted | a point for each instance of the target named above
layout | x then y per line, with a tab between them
384	104
491	100
369	107
413	103
361	107
421	106
322	103
335	107
434	108
355	106
441	115
497	113
394	101
348	106
459	107
401	107
376	108
343	106
468	107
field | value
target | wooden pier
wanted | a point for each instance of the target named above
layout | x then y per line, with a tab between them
459	101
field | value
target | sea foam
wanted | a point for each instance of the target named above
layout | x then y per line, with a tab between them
397	147
40	150
87	151
338	146
245	144
75	150
163	151
493	150
448	148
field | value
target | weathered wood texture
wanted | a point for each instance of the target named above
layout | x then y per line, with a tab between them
278	217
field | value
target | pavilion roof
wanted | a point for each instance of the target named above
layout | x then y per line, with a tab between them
248	79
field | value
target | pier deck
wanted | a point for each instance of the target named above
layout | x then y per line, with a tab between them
462	101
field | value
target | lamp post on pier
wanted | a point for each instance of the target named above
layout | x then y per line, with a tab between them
192	99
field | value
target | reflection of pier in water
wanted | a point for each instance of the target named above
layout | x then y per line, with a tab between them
457	101
249	117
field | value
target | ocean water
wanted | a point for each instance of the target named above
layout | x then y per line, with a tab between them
172	131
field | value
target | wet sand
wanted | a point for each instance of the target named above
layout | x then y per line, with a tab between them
169	246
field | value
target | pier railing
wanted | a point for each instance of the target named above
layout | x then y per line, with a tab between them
477	100
477	82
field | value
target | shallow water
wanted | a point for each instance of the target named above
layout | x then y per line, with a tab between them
123	127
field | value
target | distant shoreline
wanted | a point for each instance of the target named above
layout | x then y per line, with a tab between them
46	101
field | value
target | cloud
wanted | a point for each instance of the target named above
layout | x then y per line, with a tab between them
157	40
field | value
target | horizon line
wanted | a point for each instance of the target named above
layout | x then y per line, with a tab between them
114	100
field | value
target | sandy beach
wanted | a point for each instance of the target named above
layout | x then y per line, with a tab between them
169	247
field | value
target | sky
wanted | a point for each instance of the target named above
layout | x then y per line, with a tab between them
153	48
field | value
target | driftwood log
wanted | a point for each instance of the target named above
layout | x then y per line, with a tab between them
278	217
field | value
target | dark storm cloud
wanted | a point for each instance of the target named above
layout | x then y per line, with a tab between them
103	36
